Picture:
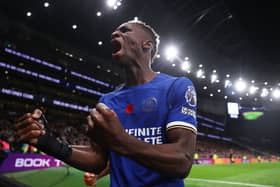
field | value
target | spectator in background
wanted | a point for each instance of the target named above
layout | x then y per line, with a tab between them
196	157
3	153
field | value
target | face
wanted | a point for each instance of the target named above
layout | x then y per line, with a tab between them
128	42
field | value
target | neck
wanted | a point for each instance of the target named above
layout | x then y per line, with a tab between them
139	73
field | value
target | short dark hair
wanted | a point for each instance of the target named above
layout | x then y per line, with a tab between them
154	35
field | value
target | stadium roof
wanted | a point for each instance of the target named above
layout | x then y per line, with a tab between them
233	37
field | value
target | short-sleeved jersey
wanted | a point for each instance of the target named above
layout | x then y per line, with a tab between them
147	112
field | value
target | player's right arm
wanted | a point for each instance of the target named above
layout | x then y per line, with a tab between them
30	129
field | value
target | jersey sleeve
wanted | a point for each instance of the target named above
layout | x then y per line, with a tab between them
182	102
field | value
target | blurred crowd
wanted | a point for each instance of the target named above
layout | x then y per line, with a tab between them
74	133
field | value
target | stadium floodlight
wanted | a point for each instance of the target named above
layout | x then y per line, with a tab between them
265	83
100	43
158	56
171	52
199	73
135	19
214	77
211	95
253	90
252	81
276	93
46	4
240	85
74	27
228	84
111	3
98	13
225	97
185	66
204	87
28	14
227	75
264	92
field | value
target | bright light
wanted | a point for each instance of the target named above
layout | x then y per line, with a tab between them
226	97
115	7
158	56
240	85
214	71
219	90
211	95
46	4
74	26
186	58
28	14
135	19
276	93
185	66
100	43
265	92
200	65
214	77
228	75
111	3
253	89
204	87
240	98
98	14
228	84
265	83
171	53
173	65
199	73
253	81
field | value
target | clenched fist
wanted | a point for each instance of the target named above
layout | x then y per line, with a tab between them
29	127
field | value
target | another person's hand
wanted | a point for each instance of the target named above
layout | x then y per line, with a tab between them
29	127
90	179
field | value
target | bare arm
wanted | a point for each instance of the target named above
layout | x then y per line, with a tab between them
88	159
29	129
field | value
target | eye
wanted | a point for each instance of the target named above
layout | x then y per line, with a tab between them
124	29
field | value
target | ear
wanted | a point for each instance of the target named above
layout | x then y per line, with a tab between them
147	45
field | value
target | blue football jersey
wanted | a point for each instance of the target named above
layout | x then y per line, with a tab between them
147	112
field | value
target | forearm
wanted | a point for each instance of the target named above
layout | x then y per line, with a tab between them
165	158
85	158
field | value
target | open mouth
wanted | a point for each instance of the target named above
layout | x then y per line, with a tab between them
116	46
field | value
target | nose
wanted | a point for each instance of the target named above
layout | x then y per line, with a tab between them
115	34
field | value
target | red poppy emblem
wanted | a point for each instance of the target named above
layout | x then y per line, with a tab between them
129	109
